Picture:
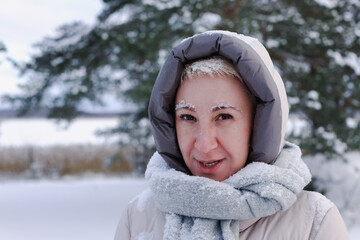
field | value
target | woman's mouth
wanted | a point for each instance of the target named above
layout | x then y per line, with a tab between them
210	164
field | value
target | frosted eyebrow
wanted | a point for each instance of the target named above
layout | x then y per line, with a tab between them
223	106
183	105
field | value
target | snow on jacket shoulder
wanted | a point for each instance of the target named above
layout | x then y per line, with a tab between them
312	216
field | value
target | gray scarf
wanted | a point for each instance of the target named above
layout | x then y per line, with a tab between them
201	208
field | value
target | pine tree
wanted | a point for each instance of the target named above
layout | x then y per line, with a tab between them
318	54
315	47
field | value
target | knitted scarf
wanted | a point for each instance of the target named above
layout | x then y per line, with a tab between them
201	208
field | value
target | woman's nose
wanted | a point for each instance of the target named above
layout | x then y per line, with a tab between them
206	139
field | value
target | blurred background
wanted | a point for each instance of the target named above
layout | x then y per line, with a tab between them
76	76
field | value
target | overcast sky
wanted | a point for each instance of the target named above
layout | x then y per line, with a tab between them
25	22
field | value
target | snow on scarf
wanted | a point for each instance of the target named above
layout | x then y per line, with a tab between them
201	208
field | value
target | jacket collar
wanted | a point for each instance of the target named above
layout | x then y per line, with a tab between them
247	223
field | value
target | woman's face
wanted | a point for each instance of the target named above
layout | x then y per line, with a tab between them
214	118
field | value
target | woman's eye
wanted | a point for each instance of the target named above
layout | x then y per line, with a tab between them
187	117
224	116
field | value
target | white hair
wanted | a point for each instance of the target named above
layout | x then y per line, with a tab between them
211	66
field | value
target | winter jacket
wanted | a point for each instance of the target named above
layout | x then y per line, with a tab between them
312	217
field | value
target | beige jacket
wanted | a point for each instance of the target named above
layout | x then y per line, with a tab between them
312	216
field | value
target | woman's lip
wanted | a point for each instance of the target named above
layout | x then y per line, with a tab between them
209	169
208	160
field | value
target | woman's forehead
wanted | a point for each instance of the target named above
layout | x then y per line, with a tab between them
211	94
214	85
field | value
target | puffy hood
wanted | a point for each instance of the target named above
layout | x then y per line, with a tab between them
254	65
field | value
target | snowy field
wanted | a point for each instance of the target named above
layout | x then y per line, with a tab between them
64	209
71	209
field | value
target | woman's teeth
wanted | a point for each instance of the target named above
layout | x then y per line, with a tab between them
209	164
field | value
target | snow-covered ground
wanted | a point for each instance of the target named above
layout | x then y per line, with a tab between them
64	209
71	209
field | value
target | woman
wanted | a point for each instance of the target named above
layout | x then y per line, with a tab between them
222	169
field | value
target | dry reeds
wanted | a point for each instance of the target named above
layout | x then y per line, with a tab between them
62	160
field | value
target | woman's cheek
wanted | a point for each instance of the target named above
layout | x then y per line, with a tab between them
184	136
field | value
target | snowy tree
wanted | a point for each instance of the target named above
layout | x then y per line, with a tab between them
2	48
314	44
318	54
